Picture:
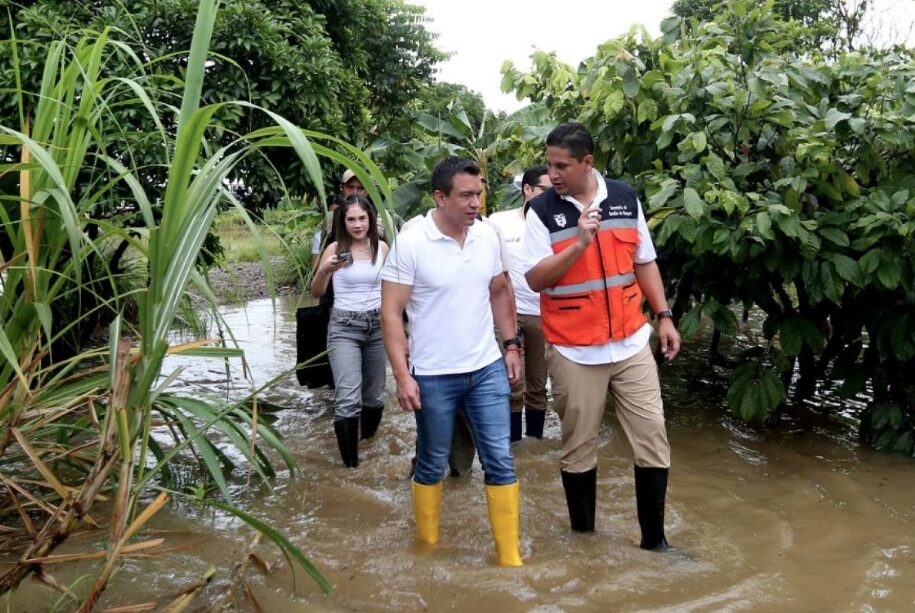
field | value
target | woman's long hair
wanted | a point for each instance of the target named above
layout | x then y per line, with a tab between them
344	240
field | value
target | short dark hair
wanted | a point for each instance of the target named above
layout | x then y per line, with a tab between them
572	136
444	171
532	175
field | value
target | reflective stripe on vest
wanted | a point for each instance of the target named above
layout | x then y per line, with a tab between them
590	286
608	224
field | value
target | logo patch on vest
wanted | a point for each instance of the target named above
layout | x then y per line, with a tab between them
560	220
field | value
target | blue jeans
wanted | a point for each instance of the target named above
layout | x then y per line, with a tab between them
356	355
484	394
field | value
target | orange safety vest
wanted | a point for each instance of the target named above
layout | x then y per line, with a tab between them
598	300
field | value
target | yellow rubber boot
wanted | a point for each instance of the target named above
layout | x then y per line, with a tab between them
427	504
504	503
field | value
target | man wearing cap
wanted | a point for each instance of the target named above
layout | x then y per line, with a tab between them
350	185
588	251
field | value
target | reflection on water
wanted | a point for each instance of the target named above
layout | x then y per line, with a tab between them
793	519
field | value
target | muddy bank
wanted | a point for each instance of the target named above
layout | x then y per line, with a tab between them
239	282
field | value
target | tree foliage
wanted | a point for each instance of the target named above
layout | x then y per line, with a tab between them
345	67
501	145
833	24
775	182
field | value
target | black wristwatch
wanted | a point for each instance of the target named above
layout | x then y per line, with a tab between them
664	314
511	341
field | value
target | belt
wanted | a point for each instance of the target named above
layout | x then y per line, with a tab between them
336	311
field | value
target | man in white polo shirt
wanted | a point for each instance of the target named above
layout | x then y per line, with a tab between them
447	273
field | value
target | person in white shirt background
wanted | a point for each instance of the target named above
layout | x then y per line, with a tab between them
528	399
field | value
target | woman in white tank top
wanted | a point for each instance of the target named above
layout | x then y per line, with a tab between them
355	350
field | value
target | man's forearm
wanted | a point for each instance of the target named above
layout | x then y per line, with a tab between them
395	341
649	279
551	269
503	312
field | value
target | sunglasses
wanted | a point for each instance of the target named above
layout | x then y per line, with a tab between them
542	188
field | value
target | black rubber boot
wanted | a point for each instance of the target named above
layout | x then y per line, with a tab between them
534	419
581	498
347	431
370	418
515	434
650	493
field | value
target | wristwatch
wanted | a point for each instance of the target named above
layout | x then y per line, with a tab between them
665	314
511	341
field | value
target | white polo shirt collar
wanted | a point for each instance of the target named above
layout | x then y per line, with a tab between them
599	197
433	233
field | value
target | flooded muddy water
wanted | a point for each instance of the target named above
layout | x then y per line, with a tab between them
792	519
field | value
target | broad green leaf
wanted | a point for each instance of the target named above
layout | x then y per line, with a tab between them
715	166
436	125
791	335
764	225
889	272
613	104
870	261
754	392
732	201
833	117
835	236
722	316
830	284
647	110
799	184
659	198
631	84
773	387
664	139
693	204
783	118
851	186
847	268
690	323
789	225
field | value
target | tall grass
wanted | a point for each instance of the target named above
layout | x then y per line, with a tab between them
79	425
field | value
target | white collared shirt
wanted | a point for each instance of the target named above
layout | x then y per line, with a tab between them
450	313
511	225
537	246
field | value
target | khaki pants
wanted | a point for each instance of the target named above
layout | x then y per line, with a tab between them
530	389
579	395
